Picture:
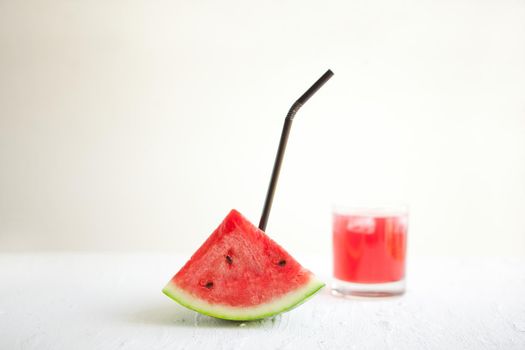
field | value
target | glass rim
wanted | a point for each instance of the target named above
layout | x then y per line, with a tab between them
371	209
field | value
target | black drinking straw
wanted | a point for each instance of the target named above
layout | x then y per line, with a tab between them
282	144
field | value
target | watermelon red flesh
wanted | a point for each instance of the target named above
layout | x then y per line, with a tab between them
240	273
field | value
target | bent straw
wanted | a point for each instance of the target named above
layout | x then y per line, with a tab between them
282	144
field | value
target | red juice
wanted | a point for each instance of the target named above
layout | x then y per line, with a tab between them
369	248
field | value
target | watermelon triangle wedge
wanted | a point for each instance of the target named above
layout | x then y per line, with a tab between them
240	274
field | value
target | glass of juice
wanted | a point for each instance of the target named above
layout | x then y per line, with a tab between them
369	250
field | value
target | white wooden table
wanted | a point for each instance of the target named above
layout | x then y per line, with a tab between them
113	301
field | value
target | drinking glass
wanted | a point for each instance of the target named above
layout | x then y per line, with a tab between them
369	250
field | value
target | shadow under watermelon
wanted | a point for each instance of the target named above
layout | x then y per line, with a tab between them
178	316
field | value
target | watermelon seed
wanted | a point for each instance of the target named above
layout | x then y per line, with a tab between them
209	284
229	259
282	262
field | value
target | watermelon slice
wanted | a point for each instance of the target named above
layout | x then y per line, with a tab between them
240	274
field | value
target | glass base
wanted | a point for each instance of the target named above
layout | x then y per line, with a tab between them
367	290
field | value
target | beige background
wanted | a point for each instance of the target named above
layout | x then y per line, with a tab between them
137	125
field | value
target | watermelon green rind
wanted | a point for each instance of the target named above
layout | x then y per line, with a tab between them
282	304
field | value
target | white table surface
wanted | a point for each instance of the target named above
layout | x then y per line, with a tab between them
113	301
